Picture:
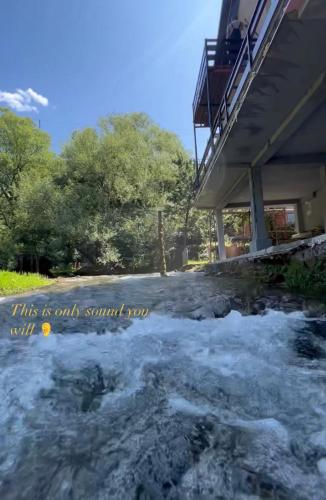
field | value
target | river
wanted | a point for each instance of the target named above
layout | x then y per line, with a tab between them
160	406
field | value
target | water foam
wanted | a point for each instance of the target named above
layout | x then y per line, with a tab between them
241	373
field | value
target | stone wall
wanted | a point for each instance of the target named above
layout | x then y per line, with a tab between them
309	250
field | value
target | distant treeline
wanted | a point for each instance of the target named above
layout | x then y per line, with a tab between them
93	207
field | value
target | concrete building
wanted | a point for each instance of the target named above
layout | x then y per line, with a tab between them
261	93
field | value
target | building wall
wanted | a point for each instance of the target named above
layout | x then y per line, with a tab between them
246	10
313	211
242	11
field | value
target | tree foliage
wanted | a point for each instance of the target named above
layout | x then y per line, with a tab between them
95	204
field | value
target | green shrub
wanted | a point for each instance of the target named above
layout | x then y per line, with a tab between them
298	276
63	270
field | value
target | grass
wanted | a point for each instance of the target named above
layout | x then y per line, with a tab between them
197	262
12	283
192	265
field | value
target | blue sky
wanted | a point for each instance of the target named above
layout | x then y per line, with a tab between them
77	60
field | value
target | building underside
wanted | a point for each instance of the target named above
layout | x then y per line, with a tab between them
268	135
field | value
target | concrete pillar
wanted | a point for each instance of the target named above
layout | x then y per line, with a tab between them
323	193
299	220
220	234
260	238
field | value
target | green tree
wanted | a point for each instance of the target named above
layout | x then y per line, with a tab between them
97	202
125	165
23	147
24	158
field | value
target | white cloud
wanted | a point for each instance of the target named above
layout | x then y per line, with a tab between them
23	100
38	98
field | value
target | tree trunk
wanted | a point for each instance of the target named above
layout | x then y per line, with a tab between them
21	263
37	264
161	244
185	229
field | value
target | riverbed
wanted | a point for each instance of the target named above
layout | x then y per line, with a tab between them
171	405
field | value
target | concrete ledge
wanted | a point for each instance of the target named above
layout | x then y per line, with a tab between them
303	250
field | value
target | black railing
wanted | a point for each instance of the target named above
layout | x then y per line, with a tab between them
251	44
209	55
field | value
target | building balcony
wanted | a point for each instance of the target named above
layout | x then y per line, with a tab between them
266	145
216	66
225	69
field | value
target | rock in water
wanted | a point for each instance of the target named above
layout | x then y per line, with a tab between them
216	307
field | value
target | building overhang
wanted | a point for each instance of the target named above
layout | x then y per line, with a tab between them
276	116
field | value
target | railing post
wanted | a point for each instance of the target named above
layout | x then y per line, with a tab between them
196	157
220	127
226	108
209	108
249	49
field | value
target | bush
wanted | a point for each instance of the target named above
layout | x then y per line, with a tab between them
63	270
299	277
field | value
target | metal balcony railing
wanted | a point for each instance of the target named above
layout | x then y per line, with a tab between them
256	32
218	59
208	59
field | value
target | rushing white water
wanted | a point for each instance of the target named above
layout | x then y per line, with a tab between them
168	408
